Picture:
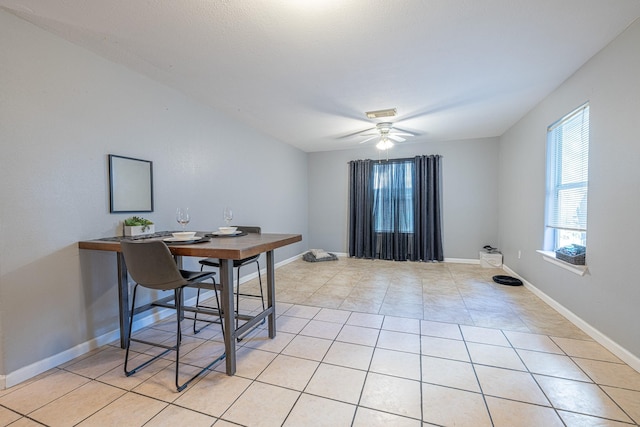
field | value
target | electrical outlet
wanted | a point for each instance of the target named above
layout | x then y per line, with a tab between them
519	254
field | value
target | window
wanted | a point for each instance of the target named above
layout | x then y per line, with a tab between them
567	180
393	197
395	209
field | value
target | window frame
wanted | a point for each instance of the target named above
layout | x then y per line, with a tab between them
382	182
556	222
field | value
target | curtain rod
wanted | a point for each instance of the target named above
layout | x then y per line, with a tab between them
404	159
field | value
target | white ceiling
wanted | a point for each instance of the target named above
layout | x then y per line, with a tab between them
305	71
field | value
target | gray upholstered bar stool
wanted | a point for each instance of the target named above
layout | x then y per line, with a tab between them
152	266
237	264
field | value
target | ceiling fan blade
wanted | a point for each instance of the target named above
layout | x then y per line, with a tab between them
399	131
352	134
369	139
396	138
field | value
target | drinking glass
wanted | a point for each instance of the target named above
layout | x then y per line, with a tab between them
227	214
182	216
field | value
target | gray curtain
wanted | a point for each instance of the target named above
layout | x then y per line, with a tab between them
427	214
360	209
394	209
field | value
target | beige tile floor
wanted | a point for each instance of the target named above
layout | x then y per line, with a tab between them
359	343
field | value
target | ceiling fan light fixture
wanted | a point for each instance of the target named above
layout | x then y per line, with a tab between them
389	112
384	144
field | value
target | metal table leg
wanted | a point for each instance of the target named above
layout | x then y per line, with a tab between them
230	333
271	293
123	299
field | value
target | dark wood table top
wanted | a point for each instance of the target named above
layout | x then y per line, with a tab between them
237	247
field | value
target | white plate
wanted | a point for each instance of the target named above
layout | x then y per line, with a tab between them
181	239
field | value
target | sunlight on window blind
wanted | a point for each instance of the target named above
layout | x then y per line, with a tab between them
568	176
393	197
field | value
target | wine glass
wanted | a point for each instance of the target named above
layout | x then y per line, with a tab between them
227	214
182	216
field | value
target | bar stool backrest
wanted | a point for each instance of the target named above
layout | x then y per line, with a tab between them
151	264
249	229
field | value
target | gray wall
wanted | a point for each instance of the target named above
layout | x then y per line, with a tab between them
470	193
608	297
62	110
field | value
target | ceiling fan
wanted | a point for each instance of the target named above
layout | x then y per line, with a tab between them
386	133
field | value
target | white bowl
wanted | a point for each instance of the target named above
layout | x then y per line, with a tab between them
184	235
227	230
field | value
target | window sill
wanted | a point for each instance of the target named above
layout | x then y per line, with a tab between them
549	256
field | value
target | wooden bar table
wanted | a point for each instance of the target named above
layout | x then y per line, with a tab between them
226	249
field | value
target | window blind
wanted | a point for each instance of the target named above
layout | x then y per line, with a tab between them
568	171
393	196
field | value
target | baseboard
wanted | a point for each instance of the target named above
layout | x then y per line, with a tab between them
462	261
277	265
44	365
615	348
451	260
30	371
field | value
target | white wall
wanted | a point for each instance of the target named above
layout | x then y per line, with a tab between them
469	199
607	299
62	110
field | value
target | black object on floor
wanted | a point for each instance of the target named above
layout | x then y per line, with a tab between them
507	280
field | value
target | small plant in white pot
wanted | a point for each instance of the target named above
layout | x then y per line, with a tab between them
137	226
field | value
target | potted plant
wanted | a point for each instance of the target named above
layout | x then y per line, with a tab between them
137	226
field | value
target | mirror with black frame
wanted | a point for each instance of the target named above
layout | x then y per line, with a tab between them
130	184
